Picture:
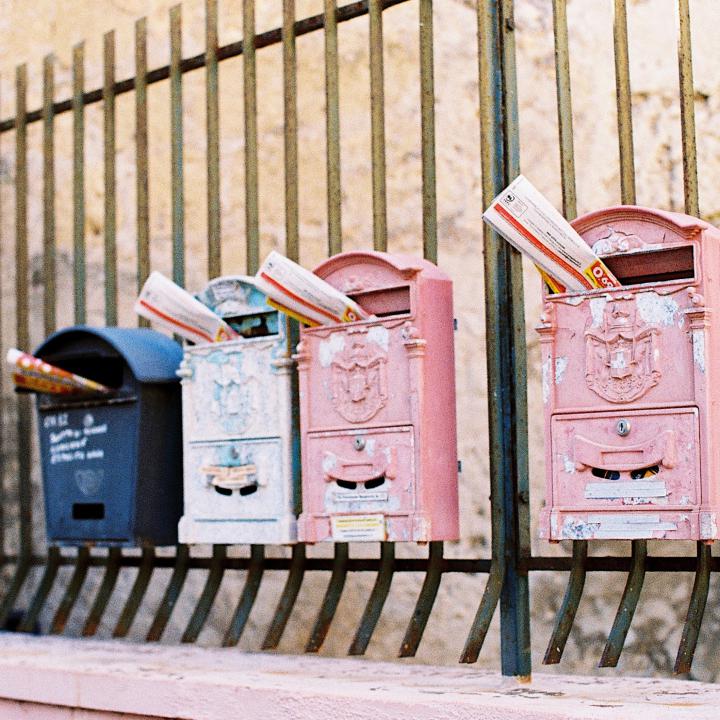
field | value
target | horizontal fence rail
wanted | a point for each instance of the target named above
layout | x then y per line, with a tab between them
511	559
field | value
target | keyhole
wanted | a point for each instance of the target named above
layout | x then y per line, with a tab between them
623	427
359	443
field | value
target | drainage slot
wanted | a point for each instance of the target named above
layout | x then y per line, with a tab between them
88	511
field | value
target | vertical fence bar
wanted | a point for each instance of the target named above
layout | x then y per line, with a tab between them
141	158
111	313
576	581
564	109
247	597
22	328
3	408
624	104
22	298
377	125
172	593
29	621
687	111
287	598
252	222
427	117
176	146
64	609
491	158
49	246
112	570
79	274
212	111
207	597
515	599
291	140
332	129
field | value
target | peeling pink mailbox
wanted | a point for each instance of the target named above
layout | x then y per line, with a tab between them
377	407
632	423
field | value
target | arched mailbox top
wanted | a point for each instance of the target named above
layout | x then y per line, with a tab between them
368	270
151	356
628	228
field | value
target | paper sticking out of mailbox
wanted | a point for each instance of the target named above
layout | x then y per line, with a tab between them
303	295
175	309
527	220
33	374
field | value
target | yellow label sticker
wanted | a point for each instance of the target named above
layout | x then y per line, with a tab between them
347	528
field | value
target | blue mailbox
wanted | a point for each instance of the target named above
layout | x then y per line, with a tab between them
112	465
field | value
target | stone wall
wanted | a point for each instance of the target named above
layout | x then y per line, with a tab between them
28	31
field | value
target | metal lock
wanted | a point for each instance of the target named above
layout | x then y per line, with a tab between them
623	427
359	443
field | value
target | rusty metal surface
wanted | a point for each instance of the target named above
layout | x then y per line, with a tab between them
79	271
72	592
425	601
252	219
568	609
142	223
377	126
212	114
687	110
47	581
696	610
624	104
628	604
332	128
247	598
207	597
376	601
172	593
137	593
286	603
177	189
331	600
110	576
111	287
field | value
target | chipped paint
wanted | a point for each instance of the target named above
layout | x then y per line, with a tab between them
656	309
546	370
574	300
561	364
633	489
370	446
698	341
597	310
330	347
576	529
630	526
329	462
684	500
380	335
568	465
708	525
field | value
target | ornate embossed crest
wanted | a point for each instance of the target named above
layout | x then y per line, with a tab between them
359	381
620	363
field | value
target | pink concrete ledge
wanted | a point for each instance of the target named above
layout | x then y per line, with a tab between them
52	678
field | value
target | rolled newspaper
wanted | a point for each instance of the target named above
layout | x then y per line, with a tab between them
32	373
525	218
175	309
304	296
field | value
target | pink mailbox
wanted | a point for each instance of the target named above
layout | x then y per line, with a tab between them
632	423
377	406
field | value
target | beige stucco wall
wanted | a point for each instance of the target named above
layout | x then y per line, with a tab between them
28	31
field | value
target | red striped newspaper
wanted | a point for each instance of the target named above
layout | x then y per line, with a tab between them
169	306
304	296
525	218
31	373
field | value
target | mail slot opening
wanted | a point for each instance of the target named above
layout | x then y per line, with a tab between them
248	490
252	326
385	302
222	490
104	369
606	474
368	484
653	266
645	472
88	511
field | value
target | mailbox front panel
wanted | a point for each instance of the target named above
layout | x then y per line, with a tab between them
239	474
619	348
231	390
90	464
361	376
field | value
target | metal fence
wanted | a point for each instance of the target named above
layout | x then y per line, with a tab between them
511	559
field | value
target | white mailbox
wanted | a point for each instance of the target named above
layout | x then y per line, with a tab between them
241	474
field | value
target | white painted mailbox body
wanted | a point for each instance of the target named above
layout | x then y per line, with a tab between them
240	468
